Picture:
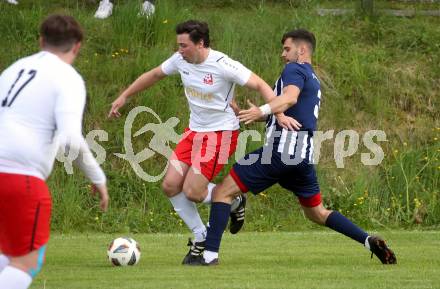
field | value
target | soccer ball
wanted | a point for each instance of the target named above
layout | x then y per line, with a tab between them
124	252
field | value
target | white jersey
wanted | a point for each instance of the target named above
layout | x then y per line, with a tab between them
42	99
209	88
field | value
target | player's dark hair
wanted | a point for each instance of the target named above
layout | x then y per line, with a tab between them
301	35
196	30
60	32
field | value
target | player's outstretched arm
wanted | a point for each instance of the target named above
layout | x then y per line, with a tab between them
286	100
254	113
258	84
141	83
277	106
250	115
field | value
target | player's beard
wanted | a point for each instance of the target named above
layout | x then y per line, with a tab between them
295	57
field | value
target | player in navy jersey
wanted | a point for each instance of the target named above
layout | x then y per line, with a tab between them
286	156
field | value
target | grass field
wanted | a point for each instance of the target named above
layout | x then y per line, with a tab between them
378	73
309	259
374	77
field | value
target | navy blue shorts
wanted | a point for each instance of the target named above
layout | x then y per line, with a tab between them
300	178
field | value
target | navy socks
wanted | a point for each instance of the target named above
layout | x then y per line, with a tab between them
218	220
341	224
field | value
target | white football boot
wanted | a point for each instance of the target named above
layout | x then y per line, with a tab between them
105	9
147	9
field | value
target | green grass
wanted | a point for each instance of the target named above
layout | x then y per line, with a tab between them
309	259
377	73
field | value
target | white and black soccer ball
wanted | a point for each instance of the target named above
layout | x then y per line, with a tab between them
124	252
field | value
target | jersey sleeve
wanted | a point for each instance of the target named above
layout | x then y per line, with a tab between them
293	74
87	163
69	109
234	71
70	102
169	66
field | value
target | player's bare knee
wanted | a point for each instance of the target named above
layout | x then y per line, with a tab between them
194	194
170	188
194	198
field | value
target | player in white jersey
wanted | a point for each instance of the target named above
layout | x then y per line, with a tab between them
42	100
209	78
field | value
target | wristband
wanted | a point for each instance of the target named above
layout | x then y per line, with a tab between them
265	109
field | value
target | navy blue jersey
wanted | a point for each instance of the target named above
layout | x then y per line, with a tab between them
286	156
305	111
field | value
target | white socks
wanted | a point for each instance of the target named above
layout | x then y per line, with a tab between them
209	256
13	278
235	203
187	211
367	244
4	261
208	198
